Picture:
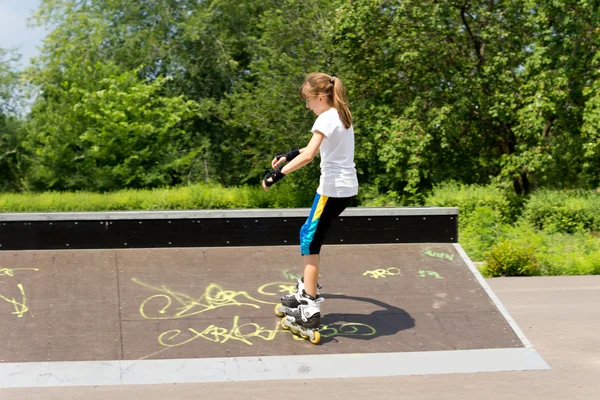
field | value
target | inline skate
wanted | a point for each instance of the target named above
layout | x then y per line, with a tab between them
305	319
289	302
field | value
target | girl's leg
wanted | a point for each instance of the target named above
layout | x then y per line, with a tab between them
323	212
311	273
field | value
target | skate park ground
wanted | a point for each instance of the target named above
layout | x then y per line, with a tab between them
559	315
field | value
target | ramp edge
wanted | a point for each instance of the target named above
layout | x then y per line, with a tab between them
92	373
493	297
233	213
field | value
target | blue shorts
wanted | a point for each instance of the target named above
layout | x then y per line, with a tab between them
324	210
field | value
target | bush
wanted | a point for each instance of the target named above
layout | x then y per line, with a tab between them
479	231
369	196
508	258
470	197
564	211
194	197
568	254
554	253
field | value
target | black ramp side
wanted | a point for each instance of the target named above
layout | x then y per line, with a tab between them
220	228
218	302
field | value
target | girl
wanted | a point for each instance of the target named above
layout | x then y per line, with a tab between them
333	137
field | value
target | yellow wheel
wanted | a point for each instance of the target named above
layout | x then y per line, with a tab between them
277	312
283	325
305	336
295	331
317	338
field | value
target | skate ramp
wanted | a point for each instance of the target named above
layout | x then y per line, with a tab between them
116	316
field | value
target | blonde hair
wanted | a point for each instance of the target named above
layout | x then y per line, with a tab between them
317	83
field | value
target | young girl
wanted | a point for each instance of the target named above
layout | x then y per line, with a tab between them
333	137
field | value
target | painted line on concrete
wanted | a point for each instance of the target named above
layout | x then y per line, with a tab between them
493	297
138	372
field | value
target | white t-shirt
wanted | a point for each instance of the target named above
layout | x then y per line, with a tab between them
338	173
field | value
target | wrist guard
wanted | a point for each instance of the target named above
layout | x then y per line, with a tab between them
290	155
275	175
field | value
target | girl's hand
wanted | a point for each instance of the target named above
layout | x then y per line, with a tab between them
264	185
275	163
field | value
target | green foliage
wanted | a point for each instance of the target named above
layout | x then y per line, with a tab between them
483	213
467	198
12	131
264	113
477	92
9	82
590	131
554	253
121	132
564	211
556	234
197	196
480	231
510	259
369	196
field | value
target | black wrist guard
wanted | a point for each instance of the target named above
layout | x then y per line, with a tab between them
290	155
275	175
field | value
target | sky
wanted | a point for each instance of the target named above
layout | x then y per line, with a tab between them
14	29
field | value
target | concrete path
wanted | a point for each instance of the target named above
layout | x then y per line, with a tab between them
559	315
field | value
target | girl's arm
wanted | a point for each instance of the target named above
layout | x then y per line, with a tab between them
276	162
306	154
304	149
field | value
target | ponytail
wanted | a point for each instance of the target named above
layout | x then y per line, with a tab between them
317	83
340	102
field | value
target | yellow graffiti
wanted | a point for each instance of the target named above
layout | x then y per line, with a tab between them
215	334
11	271
214	297
174	304
382	273
245	332
281	288
20	307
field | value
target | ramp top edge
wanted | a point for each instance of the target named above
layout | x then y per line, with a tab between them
234	213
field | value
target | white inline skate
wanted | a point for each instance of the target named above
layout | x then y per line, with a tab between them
290	302
304	320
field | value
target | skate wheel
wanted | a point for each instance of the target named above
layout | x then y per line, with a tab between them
277	312
305	336
316	339
284	326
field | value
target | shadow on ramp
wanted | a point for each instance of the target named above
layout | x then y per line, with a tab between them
385	322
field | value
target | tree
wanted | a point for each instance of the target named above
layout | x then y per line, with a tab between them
11	124
202	47
121	133
476	91
265	113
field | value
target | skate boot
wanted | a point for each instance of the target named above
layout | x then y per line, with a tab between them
304	320
292	301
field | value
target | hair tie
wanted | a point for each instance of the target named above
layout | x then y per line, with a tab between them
332	80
